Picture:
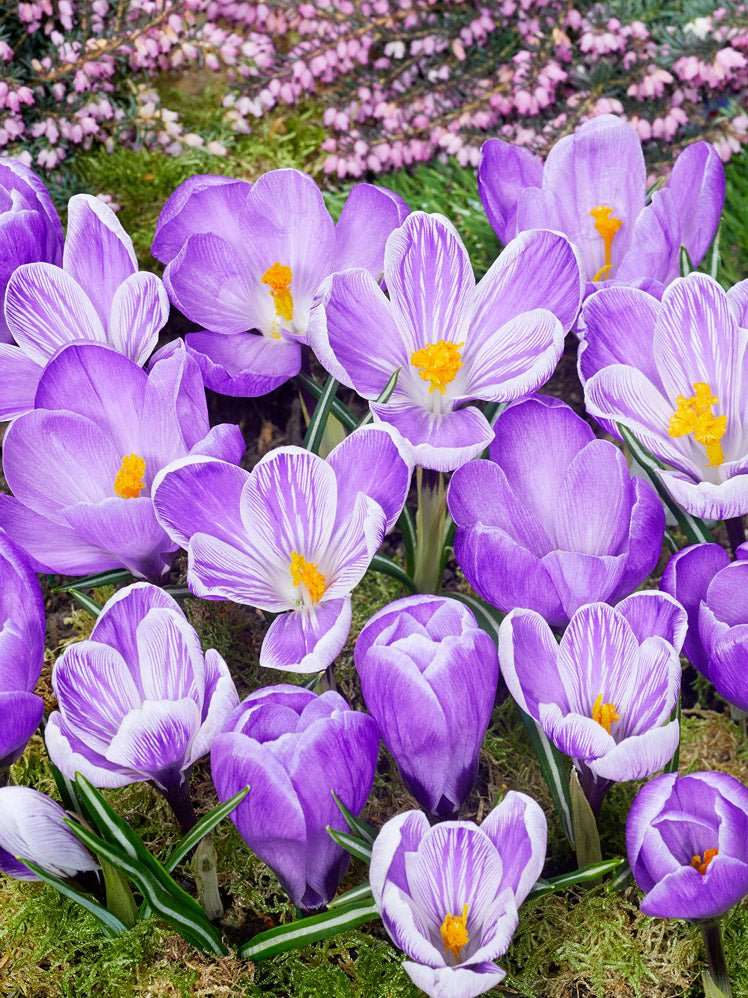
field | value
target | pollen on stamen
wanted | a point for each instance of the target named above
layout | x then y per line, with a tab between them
129	481
605	714
278	278
693	415
454	932
438	363
607	225
701	863
305	573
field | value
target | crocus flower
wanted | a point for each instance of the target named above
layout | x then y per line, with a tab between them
714	592
21	651
97	295
139	700
32	825
687	842
674	372
554	519
428	676
30	229
294	749
448	895
606	694
452	341
80	465
294	536
593	187
249	257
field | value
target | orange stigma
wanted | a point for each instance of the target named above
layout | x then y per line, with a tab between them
702	864
129	481
607	226
604	713
454	932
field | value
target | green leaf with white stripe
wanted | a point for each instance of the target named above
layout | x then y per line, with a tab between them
695	530
306	931
357	847
316	430
381	563
86	601
358	894
338	409
94	581
360	828
205	825
578	878
112	925
383	397
407	529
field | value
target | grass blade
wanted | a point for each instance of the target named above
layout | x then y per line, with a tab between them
381	563
338	409
86	602
384	396
352	844
305	931
316	430
109	922
94	581
205	825
584	875
358	827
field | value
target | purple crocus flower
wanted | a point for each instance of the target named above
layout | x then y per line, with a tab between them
714	592
21	651
674	372
139	700
425	658
32	825
554	519
687	842
81	464
294	536
30	230
593	187
246	256
606	694
452	341
448	895
97	295
295	749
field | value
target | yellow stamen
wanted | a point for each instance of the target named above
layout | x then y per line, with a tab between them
605	714
607	225
454	932
129	481
694	415
278	279
702	864
306	573
438	363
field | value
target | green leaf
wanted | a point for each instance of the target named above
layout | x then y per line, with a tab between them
94	581
584	875
695	530
316	430
112	925
360	893
119	899
358	827
305	931
205	825
686	267
715	260
86	602
341	411
407	529
352	844
672	766
381	563
384	396
584	822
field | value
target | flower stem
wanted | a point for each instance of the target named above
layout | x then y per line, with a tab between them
715	957
432	528
178	795
735	533
119	899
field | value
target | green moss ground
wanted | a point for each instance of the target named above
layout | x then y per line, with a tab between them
579	944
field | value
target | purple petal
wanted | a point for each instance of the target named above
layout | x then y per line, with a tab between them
645	533
504	171
698	180
20	379
221	699
21	713
619	329
45	309
594	502
528	655
118	622
170	658
200	495
369	214
429	277
307	641
98	252
639	755
382	470
71	755
224	442
580	578
139	309
654	614
575	735
654	246
243	365
707	500
687	577
202	203
399	835
728	668
518	829
737	299
685	893
454	982
155	738
441	442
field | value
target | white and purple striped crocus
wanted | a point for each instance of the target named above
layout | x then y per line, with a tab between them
21	651
428	676
448	895
244	262
294	749
96	295
675	373
553	519
139	700
293	537
32	826
606	694
452	341
714	592
593	187
30	231
81	464
687	843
